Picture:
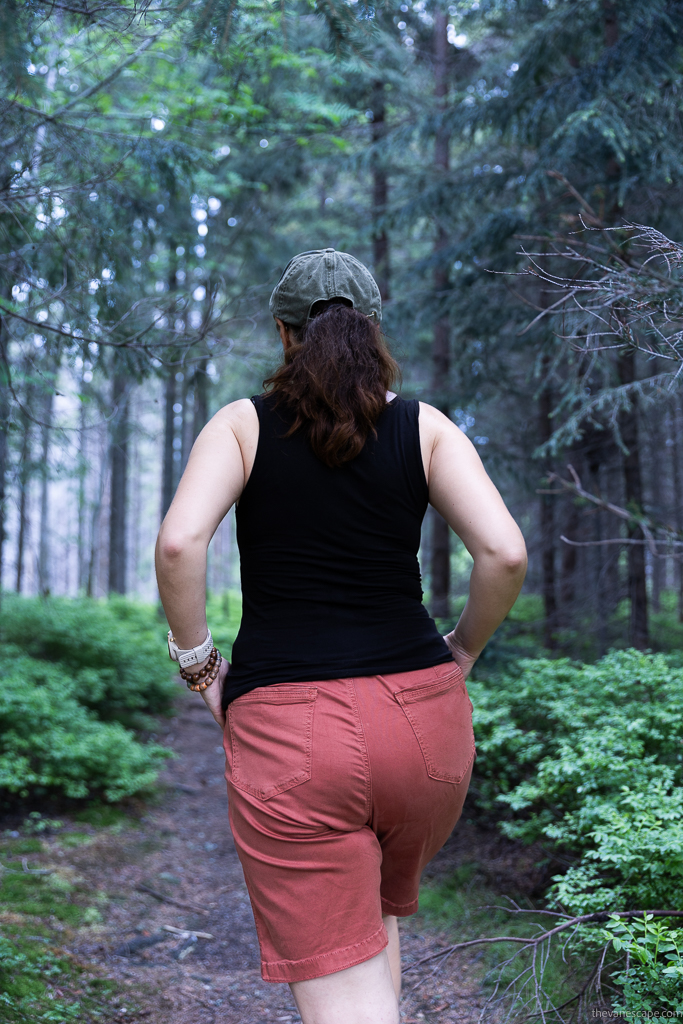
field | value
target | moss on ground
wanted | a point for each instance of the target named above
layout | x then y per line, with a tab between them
40	914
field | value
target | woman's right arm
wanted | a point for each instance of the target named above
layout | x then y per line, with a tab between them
463	493
214	478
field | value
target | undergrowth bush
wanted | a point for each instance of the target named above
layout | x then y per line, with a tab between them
50	742
652	976
588	760
102	646
73	691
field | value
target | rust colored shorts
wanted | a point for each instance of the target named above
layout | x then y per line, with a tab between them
340	792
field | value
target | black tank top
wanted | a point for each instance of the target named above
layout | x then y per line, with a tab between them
330	577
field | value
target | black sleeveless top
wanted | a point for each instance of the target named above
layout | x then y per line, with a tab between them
330	577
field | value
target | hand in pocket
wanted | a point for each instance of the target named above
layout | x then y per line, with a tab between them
440	714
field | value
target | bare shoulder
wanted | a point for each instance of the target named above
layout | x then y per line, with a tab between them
239	417
436	427
432	418
241	412
441	442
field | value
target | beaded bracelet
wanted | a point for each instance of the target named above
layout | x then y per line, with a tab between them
198	681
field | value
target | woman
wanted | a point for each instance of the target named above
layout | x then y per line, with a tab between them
348	736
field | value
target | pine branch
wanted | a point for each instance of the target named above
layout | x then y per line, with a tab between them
44	118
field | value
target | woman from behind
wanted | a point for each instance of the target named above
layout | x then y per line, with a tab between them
347	725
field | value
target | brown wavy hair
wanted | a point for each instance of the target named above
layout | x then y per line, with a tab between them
334	378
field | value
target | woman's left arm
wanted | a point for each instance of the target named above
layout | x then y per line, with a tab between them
216	472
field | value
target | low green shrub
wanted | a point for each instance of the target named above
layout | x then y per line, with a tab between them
652	977
78	676
73	690
588	761
100	646
51	743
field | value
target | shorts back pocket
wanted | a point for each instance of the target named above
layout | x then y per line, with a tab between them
271	735
440	714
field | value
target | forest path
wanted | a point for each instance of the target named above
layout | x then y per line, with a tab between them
184	851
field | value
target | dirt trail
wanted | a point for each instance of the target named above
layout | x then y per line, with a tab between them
183	850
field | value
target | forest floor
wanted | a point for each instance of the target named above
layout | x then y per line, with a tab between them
181	849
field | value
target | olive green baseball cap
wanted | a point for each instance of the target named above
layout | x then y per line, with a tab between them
323	274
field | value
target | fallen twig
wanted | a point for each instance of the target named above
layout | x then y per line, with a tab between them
572	922
184	947
185	932
524	910
169	899
25	869
132	946
35	871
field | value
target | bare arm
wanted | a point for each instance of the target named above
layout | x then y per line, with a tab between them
216	472
462	492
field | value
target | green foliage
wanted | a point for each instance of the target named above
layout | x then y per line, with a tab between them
653	979
98	646
587	760
51	743
631	846
72	676
556	731
22	984
450	901
224	613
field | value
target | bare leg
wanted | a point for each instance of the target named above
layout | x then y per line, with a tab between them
394	951
363	994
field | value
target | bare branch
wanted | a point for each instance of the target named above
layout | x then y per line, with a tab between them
649	527
572	922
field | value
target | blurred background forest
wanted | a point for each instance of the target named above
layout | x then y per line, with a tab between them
512	173
488	160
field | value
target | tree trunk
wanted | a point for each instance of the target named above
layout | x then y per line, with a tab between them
441	541
167	480
82	508
380	190
201	399
633	488
655	451
119	487
547	501
96	518
44	537
187	414
677	480
4	443
547	520
610	22
168	472
24	481
569	566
